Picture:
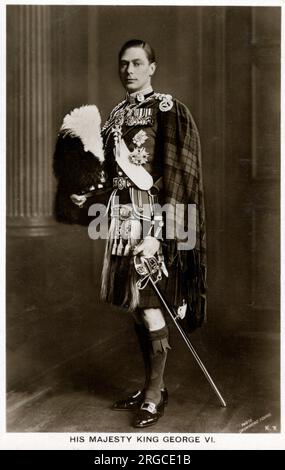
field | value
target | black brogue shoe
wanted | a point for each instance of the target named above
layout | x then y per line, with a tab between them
149	413
132	402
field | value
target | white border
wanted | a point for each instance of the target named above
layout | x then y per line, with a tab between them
2	221
62	440
37	441
253	3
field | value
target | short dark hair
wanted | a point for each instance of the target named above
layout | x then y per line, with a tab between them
139	43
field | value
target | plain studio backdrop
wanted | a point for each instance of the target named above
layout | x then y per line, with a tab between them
224	64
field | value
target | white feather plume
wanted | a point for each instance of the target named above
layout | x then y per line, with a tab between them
85	123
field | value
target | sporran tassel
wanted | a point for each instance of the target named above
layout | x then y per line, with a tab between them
120	248
127	248
114	246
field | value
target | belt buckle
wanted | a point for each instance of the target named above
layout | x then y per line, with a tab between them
121	182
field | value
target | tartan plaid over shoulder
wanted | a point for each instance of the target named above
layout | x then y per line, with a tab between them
183	184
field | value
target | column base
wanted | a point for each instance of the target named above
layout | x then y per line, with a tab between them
31	226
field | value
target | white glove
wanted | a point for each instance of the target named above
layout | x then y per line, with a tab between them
147	247
78	200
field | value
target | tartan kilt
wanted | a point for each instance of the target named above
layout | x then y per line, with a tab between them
120	293
122	278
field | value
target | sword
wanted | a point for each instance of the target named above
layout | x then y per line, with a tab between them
147	268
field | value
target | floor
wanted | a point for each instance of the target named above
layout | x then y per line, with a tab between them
70	356
80	401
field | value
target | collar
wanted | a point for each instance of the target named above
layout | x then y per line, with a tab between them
139	96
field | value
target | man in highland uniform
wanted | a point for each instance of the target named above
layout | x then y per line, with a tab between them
152	159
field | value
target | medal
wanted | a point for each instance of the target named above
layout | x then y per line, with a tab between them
140	138
139	155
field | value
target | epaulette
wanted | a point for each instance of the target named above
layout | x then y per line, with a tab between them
113	112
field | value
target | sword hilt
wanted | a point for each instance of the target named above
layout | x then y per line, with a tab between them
147	268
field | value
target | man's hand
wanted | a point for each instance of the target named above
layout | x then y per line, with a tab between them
77	199
148	247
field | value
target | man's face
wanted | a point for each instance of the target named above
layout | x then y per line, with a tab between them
135	70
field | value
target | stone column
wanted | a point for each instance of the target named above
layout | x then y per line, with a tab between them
30	139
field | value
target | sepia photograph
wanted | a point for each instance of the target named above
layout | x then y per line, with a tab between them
143	221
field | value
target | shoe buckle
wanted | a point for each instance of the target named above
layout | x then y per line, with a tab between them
149	406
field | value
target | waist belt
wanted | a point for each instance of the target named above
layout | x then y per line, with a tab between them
122	182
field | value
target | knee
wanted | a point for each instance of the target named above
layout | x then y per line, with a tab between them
153	318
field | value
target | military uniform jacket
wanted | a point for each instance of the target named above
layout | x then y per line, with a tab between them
161	135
